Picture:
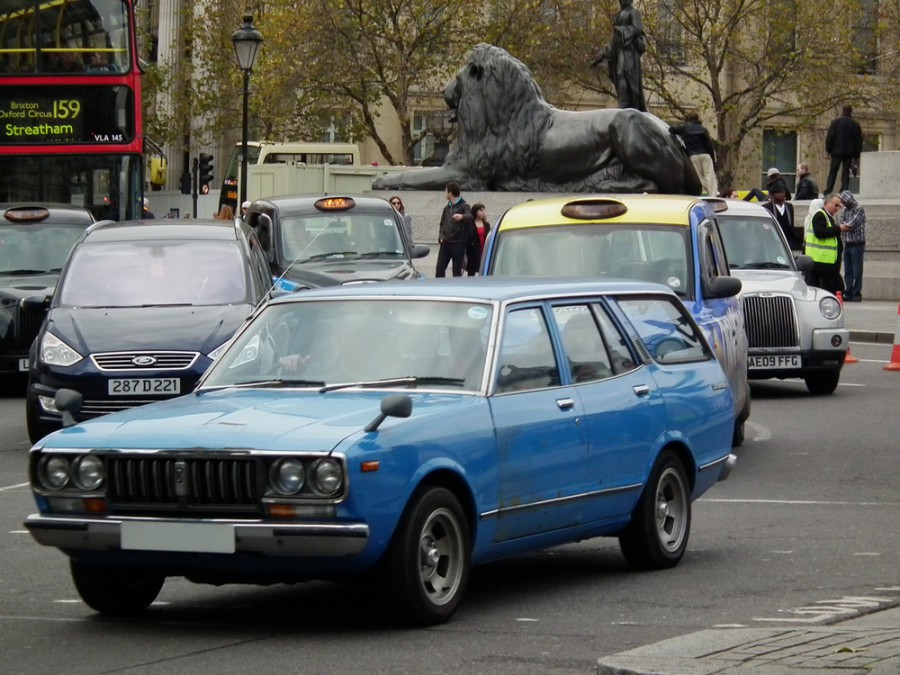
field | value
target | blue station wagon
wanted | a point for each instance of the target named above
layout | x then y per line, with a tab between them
669	239
404	430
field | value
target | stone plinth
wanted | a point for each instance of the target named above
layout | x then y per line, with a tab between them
879	175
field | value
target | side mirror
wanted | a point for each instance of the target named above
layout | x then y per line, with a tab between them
804	262
68	402
722	287
395	405
35	304
420	250
265	231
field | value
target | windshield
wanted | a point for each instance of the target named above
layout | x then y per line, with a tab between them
36	248
126	274
754	243
647	252
391	342
349	234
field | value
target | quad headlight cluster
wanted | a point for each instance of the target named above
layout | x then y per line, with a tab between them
82	472
292	476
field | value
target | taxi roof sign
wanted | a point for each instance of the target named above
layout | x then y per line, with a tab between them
26	214
335	204
593	209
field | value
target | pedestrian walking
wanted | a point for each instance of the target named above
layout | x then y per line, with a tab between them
456	219
783	212
853	235
699	147
843	143
245	209
477	235
406	219
225	213
823	245
807	188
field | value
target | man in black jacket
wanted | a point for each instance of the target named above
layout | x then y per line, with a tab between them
456	220
844	144
807	188
700	149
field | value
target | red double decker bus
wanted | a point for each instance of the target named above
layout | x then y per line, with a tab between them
70	105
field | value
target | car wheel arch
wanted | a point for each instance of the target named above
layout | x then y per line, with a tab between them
456	484
683	452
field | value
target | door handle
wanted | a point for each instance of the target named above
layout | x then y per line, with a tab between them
641	389
565	403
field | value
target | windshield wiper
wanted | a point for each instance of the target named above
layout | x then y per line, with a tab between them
275	382
22	271
167	304
409	380
380	254
325	256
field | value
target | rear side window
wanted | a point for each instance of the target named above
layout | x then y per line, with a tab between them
666	329
526	353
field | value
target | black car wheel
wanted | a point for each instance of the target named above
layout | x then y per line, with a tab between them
822	383
427	565
658	533
115	590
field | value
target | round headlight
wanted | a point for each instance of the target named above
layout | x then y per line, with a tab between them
88	472
287	476
53	472
327	477
830	307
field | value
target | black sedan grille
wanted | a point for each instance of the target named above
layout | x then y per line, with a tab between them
161	484
144	360
770	321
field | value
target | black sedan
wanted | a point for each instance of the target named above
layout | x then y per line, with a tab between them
139	313
312	242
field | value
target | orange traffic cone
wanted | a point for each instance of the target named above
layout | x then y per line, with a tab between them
895	353
849	358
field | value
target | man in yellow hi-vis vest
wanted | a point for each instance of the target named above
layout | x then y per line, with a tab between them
823	244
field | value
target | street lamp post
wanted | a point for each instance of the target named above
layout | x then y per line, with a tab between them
246	43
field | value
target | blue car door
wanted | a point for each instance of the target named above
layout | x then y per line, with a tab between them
541	444
624	413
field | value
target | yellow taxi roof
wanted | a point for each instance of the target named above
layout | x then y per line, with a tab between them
644	209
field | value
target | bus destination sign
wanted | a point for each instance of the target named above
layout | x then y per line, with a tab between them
41	120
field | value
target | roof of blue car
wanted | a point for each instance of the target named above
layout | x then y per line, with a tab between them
481	288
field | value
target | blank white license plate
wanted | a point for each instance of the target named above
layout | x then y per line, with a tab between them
187	537
158	386
23	365
775	361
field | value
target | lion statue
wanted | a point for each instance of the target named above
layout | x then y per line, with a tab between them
510	139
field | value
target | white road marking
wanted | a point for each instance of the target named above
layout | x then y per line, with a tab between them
823	610
13	487
796	502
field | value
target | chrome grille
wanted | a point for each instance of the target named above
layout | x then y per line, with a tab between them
29	324
156	360
770	321
186	483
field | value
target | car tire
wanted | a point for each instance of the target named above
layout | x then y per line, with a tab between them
821	384
36	429
427	565
737	437
660	526
116	591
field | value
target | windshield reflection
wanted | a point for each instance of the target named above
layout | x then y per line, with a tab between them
347	343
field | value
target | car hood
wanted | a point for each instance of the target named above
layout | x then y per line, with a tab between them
773	281
202	329
262	419
23	286
337	272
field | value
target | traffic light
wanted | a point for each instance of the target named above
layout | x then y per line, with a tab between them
205	169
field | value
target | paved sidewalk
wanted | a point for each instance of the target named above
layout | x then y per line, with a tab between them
865	645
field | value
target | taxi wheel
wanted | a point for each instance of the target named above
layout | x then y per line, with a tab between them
822	383
427	565
658	533
115	590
